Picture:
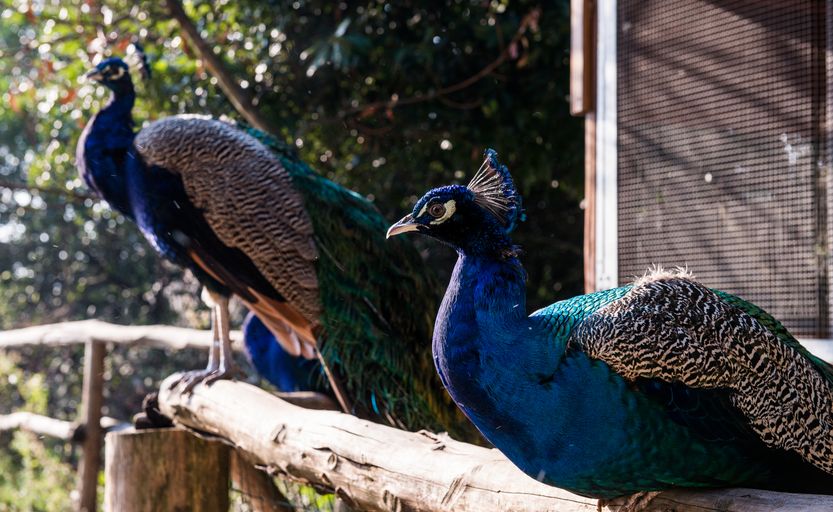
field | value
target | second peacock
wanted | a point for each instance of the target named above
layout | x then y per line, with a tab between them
664	383
248	218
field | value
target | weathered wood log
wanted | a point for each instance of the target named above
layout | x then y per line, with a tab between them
374	467
309	400
165	469
91	400
70	333
369	466
50	427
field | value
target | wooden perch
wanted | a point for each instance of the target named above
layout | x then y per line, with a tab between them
375	467
50	427
70	333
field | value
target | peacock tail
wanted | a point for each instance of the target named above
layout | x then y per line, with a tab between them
377	304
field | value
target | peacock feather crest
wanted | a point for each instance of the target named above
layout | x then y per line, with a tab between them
495	191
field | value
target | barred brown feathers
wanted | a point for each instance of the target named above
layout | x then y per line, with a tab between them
674	329
247	198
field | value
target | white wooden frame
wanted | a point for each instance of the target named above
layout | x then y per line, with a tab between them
607	240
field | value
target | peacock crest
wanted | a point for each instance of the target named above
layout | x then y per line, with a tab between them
495	191
137	59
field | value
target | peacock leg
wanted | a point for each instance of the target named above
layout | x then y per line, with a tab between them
190	379
227	368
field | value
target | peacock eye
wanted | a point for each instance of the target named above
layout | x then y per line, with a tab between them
436	210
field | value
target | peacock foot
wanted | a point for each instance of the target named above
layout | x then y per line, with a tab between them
188	380
225	372
637	502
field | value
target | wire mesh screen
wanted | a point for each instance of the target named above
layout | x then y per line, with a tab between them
721	148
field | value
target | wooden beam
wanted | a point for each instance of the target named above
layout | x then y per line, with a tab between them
91	401
589	202
70	333
165	469
582	53
50	427
375	467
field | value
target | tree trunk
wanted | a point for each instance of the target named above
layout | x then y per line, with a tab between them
165	469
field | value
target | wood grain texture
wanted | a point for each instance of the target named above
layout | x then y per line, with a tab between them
92	399
374	467
590	202
582	52
165	469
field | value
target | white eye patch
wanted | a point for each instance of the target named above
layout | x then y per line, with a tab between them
450	207
118	73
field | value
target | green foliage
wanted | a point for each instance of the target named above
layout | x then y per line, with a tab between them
32	477
33	472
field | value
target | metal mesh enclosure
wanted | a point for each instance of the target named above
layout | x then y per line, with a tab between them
721	146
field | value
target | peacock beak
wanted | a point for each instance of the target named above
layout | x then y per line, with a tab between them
404	225
94	74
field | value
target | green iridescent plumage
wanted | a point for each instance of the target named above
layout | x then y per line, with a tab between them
378	306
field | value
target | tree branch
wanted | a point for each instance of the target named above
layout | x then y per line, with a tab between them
529	20
239	97
69	194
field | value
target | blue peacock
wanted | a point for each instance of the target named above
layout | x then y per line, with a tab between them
664	383
308	257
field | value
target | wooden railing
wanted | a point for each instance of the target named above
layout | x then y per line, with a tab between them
90	427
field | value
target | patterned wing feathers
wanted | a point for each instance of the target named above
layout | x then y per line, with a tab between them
248	199
677	330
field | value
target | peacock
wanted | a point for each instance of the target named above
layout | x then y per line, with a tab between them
241	211
659	384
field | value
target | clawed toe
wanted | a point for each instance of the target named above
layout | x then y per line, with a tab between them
231	373
633	503
189	380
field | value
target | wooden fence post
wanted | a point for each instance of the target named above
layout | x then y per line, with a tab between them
165	469
91	417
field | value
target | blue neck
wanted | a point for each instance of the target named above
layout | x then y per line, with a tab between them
486	348
105	146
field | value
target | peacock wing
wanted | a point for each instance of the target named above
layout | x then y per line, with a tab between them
678	331
776	328
248	200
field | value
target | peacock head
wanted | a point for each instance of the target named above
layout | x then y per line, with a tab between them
113	73
475	219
